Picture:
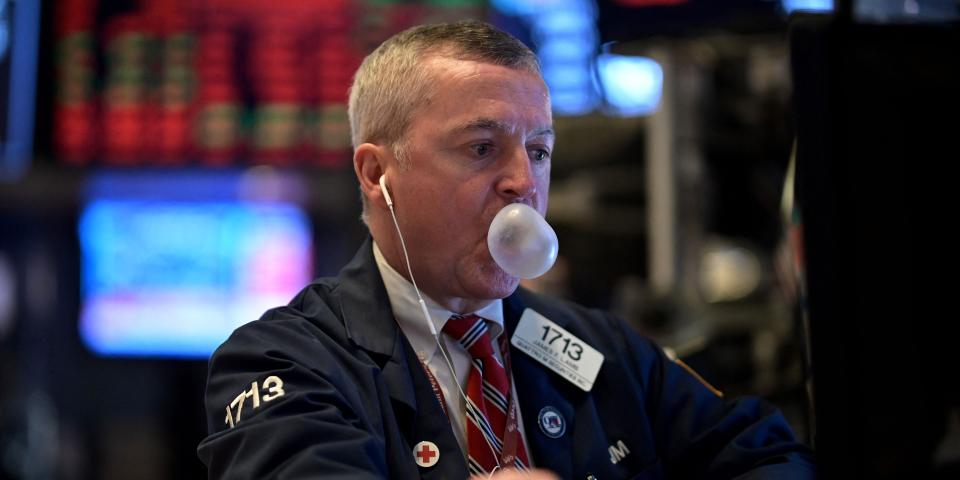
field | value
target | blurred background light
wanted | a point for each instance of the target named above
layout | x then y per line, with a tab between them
790	6
565	38
174	276
8	295
521	8
907	11
632	85
19	41
729	272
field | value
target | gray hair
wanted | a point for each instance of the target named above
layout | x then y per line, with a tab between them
391	84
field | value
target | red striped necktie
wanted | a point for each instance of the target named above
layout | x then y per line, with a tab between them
487	405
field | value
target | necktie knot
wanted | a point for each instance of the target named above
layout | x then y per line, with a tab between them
472	333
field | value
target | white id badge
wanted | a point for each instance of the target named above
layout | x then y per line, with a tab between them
557	349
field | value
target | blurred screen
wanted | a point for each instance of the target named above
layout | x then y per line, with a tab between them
175	276
19	27
906	11
217	82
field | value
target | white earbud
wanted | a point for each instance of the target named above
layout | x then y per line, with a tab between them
383	188
406	256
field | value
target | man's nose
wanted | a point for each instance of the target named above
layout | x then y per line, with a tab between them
518	180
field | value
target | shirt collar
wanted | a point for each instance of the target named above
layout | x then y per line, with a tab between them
406	309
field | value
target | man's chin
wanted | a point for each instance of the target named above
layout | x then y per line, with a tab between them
485	280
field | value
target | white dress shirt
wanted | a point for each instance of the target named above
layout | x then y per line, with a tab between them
406	310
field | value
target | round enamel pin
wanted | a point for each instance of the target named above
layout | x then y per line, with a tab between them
426	454
551	422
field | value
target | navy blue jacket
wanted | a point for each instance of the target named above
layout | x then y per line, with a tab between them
339	393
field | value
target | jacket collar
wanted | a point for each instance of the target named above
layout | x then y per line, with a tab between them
369	321
539	388
370	325
365	305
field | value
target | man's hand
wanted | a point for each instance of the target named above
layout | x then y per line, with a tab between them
513	474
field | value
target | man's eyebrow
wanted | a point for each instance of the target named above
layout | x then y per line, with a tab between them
481	124
545	131
491	124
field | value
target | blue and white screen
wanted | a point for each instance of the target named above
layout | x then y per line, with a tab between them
174	278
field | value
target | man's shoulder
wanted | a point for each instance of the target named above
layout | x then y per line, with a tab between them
565	310
312	316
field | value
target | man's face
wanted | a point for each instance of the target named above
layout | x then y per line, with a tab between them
484	140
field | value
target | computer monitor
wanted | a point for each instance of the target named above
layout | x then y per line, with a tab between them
19	32
172	264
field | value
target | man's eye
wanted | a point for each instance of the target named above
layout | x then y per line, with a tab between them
481	149
540	155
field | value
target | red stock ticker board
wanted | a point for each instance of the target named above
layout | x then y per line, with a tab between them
213	82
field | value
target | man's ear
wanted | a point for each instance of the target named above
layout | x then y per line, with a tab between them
370	163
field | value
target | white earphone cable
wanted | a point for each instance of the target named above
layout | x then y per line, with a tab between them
433	329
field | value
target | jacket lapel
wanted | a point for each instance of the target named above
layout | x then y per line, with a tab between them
369	322
539	388
432	424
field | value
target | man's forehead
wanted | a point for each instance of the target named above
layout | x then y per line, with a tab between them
508	100
488	124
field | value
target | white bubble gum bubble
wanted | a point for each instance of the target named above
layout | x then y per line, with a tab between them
522	242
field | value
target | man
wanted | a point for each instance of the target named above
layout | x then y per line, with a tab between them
450	124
